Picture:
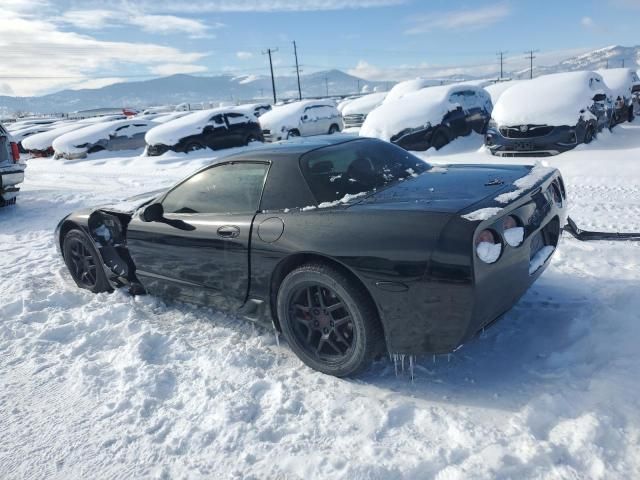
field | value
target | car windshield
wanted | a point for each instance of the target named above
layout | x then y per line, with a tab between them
356	167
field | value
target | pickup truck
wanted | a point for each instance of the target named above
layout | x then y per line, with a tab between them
11	169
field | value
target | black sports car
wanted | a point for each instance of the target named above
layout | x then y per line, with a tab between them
348	247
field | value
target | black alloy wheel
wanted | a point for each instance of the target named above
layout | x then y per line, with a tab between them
329	320
83	262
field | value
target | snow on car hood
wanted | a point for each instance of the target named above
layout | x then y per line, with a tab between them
413	110
555	99
70	142
364	105
287	116
620	81
171	132
131	204
44	140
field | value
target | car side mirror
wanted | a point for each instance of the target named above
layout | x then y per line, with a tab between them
152	213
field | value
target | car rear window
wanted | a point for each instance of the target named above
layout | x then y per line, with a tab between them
357	167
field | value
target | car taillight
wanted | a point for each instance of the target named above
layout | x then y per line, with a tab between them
15	152
513	231
488	246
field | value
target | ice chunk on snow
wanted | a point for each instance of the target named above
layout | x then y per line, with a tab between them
482	214
514	236
489	252
540	258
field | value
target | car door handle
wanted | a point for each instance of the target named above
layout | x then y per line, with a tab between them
228	231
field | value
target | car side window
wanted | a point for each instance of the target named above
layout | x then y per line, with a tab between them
227	188
457	97
236	118
217	119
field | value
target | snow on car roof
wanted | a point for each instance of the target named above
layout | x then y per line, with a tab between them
497	89
289	114
68	142
364	104
171	132
401	89
620	80
555	99
413	110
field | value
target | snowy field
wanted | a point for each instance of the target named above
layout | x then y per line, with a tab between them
112	386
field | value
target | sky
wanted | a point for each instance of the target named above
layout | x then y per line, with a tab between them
49	45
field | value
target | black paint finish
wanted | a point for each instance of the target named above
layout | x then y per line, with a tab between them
407	244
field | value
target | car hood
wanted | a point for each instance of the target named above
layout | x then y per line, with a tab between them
448	189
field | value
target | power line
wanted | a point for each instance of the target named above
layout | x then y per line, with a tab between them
273	81
295	53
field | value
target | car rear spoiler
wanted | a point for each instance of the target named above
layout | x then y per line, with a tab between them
585	235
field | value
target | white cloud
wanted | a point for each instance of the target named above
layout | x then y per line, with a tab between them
244	55
459	19
39	57
202	6
174	68
94	19
97	83
587	22
166	24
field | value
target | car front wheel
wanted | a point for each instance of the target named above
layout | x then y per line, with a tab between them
83	262
328	320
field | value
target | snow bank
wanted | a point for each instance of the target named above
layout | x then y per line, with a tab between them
399	90
412	110
364	105
620	81
70	142
171	132
556	99
497	89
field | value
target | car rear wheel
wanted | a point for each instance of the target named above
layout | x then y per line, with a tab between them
83	262
329	320
192	147
333	129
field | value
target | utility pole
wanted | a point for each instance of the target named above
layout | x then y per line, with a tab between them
295	52
501	56
531	56
623	63
358	91
273	81
326	82
607	64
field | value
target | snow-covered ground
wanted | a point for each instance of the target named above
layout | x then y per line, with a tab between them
113	386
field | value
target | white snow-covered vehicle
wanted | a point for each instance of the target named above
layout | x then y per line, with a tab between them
549	114
356	111
430	117
301	119
118	135
11	169
255	109
497	89
399	90
623	83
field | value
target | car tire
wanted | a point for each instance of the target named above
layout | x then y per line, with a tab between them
334	129
83	262
293	133
589	135
439	139
192	147
338	331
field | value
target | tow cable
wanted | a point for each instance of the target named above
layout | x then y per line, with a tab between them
586	236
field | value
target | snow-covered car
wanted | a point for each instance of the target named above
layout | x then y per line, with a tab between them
215	128
622	82
549	114
40	144
118	135
430	117
381	251
255	109
300	119
21	134
497	89
11	169
356	111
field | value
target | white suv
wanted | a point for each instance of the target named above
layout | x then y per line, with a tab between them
300	119
11	169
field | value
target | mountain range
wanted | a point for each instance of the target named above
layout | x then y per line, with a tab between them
229	88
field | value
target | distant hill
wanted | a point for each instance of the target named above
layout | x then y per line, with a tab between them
187	88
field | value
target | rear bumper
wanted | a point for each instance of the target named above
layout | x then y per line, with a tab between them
560	140
461	295
10	178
